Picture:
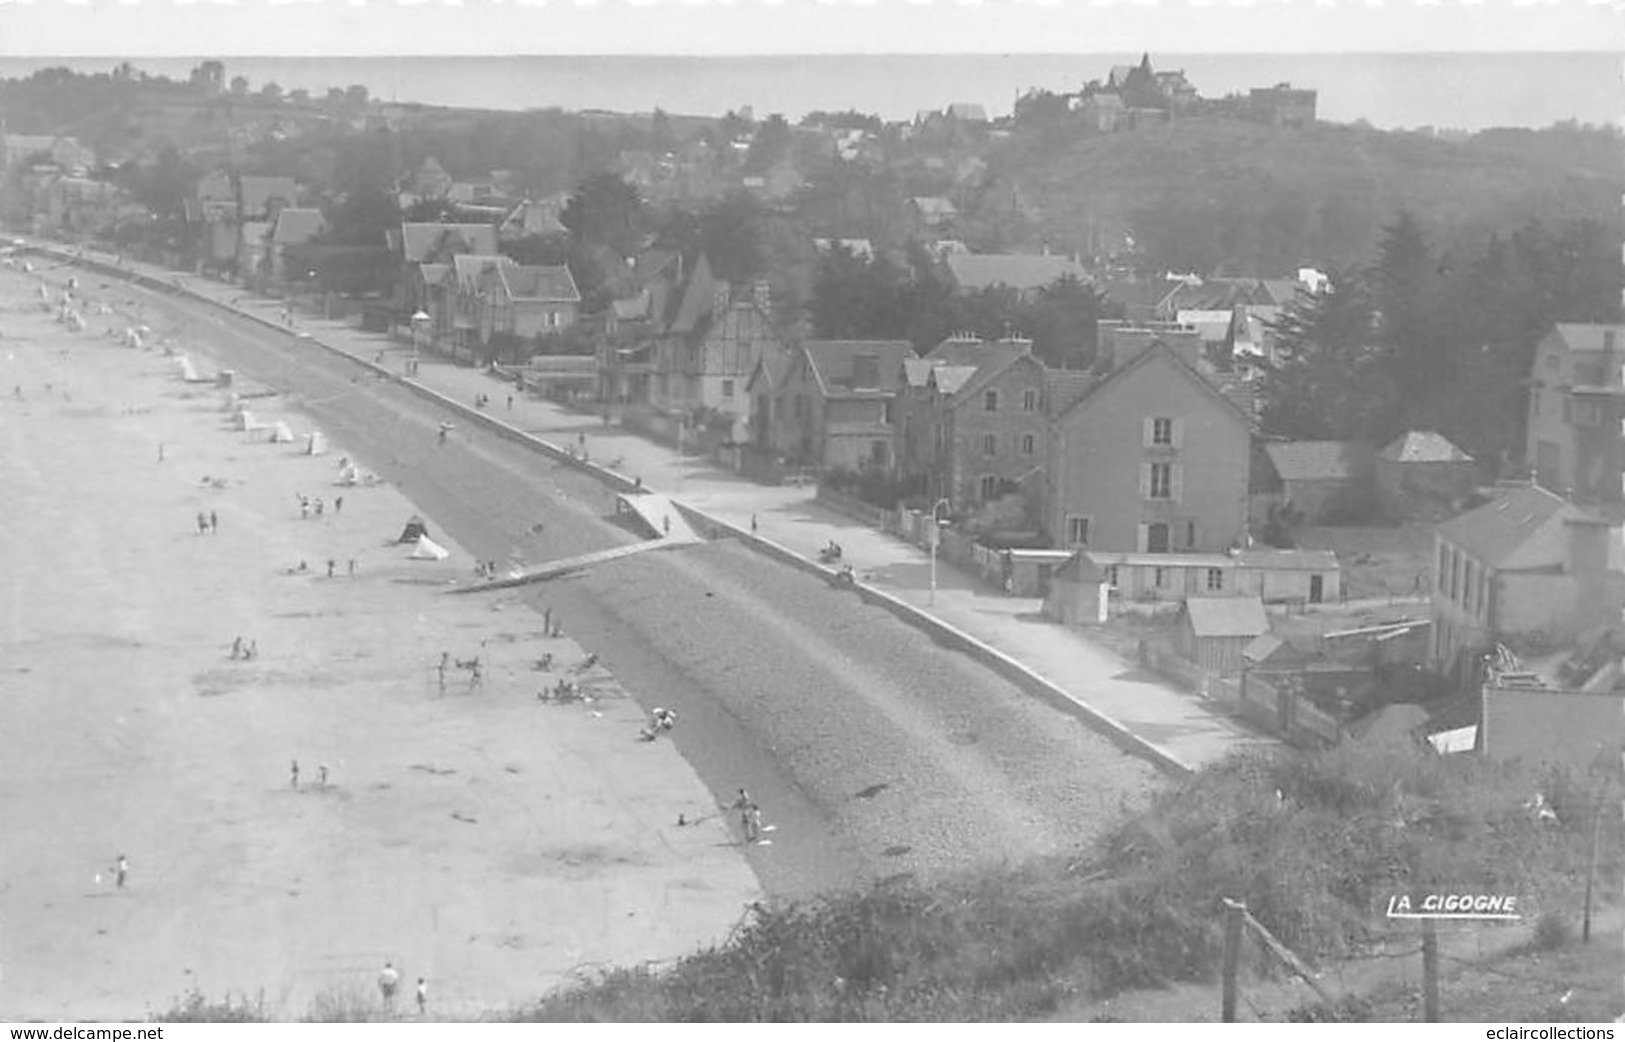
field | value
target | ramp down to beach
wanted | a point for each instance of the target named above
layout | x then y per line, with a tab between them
650	511
659	518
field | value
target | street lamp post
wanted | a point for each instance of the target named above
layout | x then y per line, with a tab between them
936	537
419	320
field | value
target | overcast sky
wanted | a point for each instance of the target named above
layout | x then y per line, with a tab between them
140	28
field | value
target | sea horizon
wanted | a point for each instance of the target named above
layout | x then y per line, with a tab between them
1455	90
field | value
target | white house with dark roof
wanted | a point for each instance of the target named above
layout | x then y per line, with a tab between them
1529	563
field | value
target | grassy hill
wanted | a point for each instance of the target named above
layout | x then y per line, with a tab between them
1210	193
1315	844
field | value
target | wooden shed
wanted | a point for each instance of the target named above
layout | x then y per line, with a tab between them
1214	631
1077	592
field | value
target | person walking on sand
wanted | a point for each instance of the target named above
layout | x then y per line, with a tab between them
338	504
321	776
330	565
202	523
214	523
293	775
253	649
423	996
387	980
122	870
237	648
352	566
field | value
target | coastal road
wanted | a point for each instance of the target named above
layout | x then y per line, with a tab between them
873	751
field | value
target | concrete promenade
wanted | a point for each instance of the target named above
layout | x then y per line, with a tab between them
1181	725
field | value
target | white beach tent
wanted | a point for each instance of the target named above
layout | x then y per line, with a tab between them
428	550
244	420
281	432
315	443
350	476
187	370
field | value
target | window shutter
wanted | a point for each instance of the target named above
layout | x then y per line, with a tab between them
1141	537
1146	432
1179	433
1145	481
1176	482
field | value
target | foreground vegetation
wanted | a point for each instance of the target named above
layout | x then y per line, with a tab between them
1314	844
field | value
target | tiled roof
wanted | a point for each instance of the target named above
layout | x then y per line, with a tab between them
957	351
1157	349
295	226
833	363
631	309
533	218
1019	271
1289	560
1494	532
470	266
950	378
1064	387
418	240
697	299
1210	325
1227	616
917	371
1579	336
934	207
259	191
1319	460
1424	447
540	282
1080	569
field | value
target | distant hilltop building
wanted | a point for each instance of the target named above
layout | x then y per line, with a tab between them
1138	95
1282	105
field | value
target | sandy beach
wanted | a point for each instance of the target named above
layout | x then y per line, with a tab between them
472	835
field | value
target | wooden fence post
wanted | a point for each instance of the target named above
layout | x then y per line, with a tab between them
1591	870
1430	972
1233	913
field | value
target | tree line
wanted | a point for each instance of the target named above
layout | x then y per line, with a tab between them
1438	339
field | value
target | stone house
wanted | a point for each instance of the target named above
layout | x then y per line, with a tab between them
1324	481
1150	458
975	422
834	404
1420	472
1528	564
1576	407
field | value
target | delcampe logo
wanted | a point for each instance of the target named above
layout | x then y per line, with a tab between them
1453	906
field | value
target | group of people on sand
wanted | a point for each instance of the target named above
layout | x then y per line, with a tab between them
245	650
